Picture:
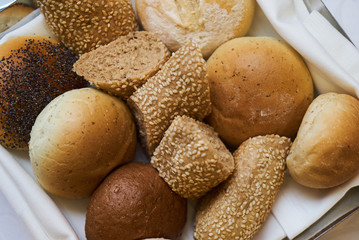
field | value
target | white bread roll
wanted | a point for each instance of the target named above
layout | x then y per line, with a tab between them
325	152
208	22
78	139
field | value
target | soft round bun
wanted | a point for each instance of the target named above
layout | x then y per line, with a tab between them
258	86
11	15
123	65
78	139
209	22
33	71
133	202
325	152
239	205
191	158
85	25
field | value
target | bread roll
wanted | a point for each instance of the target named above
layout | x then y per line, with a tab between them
208	22
133	202
259	86
191	158
124	64
179	88
33	71
85	25
325	152
11	15
238	206
78	139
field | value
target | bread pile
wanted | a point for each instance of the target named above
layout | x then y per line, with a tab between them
219	131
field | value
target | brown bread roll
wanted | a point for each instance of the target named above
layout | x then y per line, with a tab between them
325	152
259	86
78	139
238	206
134	202
11	15
179	88
85	25
123	65
191	158
33	71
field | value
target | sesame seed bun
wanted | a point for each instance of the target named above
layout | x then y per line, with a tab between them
85	25
33	71
124	64
325	152
259	86
78	139
210	22
191	158
11	15
133	202
179	88
239	205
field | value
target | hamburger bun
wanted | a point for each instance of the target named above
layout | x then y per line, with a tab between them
239	205
325	152
33	71
123	65
78	139
133	202
258	86
97	22
209	23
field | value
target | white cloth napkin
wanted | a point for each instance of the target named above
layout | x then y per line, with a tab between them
297	207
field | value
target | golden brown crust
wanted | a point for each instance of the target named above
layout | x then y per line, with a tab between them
325	151
98	22
179	88
78	139
258	86
239	205
210	22
33	71
133	202
125	64
191	158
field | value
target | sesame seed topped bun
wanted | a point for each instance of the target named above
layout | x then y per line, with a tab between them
33	71
239	205
85	25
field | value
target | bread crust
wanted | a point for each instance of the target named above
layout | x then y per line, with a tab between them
98	22
325	151
191	158
133	202
11	15
208	22
78	139
238	206
259	86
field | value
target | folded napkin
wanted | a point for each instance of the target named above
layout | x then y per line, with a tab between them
297	207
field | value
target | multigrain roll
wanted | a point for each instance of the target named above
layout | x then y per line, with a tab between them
210	22
11	15
125	64
179	88
259	86
33	71
85	25
191	158
133	202
238	206
325	152
78	139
